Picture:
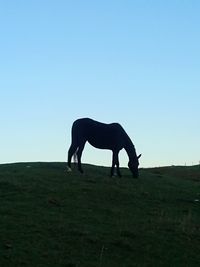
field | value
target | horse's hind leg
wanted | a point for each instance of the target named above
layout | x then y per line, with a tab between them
79	154
71	152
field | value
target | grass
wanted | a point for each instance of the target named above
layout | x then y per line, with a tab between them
49	217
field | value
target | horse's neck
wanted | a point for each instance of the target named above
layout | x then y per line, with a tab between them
130	149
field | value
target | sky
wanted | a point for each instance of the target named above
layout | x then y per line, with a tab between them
135	62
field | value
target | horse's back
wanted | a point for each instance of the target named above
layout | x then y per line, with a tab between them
87	124
98	134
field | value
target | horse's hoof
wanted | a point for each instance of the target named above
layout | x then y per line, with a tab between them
69	169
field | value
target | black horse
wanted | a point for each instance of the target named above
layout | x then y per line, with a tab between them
104	136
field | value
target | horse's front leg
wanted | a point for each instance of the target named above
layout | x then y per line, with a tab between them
115	162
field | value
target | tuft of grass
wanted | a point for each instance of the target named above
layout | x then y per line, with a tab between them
53	218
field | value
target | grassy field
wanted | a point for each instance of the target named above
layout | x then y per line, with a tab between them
49	217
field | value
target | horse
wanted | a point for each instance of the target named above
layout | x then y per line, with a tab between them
103	136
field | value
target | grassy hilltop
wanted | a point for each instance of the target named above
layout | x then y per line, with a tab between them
49	217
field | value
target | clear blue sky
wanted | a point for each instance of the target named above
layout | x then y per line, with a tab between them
132	62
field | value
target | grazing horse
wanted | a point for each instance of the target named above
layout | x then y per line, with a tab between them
104	136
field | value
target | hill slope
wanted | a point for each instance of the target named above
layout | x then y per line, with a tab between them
53	218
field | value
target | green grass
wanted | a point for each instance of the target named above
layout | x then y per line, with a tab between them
49	217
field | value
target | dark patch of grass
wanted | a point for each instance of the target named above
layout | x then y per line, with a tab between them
53	218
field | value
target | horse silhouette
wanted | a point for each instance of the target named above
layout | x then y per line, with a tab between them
104	136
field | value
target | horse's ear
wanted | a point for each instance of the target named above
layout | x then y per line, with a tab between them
139	156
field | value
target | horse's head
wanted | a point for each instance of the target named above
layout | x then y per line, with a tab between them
133	166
